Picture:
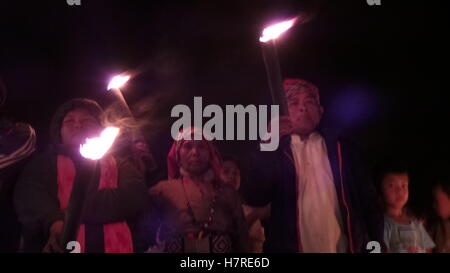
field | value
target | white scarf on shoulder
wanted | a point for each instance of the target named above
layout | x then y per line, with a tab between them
319	217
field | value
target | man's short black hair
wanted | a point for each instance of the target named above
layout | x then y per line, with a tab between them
389	166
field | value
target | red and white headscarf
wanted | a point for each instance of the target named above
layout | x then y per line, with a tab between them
173	158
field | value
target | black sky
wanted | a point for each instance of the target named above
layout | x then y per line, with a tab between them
381	69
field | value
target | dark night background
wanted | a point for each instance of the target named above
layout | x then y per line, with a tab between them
380	68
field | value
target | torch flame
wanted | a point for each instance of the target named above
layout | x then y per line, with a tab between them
118	81
274	31
96	148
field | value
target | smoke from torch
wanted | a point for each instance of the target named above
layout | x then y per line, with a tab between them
140	149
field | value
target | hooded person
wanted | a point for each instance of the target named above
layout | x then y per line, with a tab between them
115	195
198	213
17	144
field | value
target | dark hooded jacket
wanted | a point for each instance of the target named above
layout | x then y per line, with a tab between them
273	180
36	194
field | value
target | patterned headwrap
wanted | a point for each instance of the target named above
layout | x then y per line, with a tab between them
295	86
173	158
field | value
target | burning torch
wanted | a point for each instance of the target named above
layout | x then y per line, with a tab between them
114	85
141	153
269	51
93	150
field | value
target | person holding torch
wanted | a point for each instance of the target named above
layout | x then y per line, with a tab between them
322	198
115	193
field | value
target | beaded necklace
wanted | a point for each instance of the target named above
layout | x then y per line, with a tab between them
210	218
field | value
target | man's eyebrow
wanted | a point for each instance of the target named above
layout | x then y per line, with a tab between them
68	116
293	98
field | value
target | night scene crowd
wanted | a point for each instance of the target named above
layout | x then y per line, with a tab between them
314	194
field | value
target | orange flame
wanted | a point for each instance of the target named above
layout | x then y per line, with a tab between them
118	81
96	148
274	31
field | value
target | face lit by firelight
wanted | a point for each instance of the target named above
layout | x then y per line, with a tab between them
77	126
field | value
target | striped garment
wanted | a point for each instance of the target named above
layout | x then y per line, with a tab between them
8	157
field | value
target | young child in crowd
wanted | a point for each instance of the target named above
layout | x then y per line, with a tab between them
231	175
439	227
402	232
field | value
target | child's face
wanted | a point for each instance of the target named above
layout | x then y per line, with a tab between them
441	203
395	190
231	174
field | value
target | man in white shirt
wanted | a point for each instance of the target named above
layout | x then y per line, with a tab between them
322	199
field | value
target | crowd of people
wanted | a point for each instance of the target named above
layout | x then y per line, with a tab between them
314	194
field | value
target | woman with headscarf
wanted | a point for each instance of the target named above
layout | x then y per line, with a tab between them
117	193
198	213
